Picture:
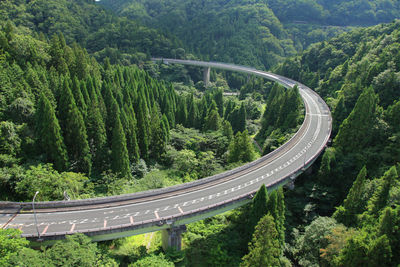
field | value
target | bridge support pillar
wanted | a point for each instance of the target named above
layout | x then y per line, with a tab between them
290	185
172	237
309	170
206	76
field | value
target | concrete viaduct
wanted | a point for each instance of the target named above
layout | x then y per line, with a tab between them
170	209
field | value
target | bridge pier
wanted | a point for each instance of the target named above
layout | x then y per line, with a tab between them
290	185
172	237
206	76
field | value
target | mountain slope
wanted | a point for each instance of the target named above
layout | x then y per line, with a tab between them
90	25
243	32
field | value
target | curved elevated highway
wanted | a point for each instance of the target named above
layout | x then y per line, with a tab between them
125	215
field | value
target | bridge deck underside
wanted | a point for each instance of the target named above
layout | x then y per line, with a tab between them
102	223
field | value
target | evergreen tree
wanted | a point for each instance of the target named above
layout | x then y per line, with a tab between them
389	225
339	113
288	112
48	133
270	115
280	220
381	195
276	208
241	148
166	127
355	133
227	130
192	112
229	108
143	116
264	249
97	136
354	203
119	152
259	208
56	52
74	132
128	118
219	100
158	138
78	96
212	121
181	112
239	124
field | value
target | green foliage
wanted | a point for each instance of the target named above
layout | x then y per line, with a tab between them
308	245
216	241
241	148
281	116
361	250
48	133
356	130
381	196
153	261
119	154
354	204
50	183
335	13
76	250
91	26
74	131
246	32
10	244
264	249
212	121
258	208
28	257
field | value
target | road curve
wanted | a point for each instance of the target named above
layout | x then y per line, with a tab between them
113	217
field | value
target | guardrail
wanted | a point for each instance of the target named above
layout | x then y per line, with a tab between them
143	224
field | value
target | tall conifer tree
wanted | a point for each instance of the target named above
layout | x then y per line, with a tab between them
48	133
259	208
354	203
74	132
119	154
264	249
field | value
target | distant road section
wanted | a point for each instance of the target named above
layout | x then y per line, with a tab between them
118	216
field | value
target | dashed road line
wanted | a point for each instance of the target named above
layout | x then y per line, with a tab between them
156	213
105	224
180	210
72	227
45	230
131	219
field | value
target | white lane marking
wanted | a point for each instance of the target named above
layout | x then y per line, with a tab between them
45	230
218	194
180	210
156	214
105	224
72	228
131	219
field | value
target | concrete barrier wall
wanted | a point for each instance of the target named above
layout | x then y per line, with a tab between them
150	193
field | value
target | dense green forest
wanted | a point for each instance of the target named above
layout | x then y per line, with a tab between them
257	33
244	32
357	183
83	111
312	11
92	27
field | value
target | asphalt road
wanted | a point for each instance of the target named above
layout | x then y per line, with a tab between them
303	149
